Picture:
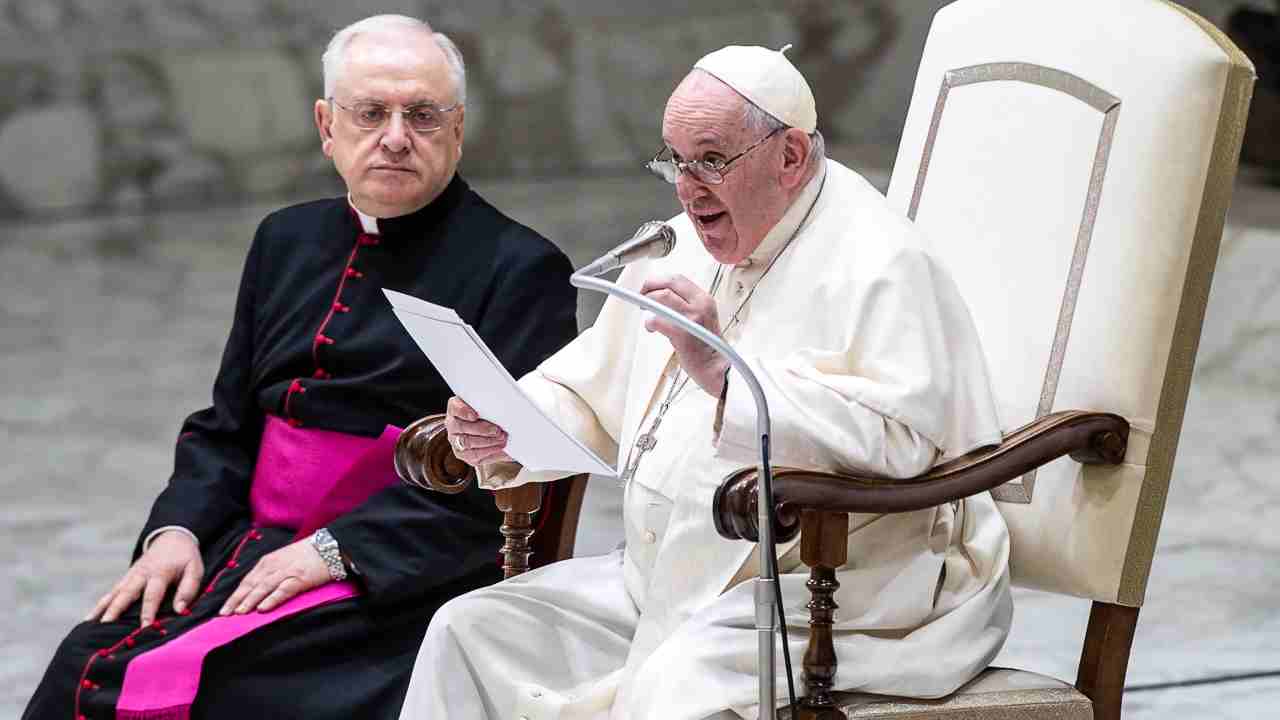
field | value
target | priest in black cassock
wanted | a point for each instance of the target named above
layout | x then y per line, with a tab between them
284	572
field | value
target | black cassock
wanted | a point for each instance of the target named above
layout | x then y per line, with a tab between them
315	341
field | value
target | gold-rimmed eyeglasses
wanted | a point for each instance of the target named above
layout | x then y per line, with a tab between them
421	118
710	170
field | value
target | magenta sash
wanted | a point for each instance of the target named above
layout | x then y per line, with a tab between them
303	479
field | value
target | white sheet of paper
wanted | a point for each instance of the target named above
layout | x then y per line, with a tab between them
475	375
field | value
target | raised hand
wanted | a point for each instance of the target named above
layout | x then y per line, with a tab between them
703	364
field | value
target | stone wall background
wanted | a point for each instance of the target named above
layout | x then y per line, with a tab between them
128	106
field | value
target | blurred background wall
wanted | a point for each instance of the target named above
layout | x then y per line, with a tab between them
142	105
142	140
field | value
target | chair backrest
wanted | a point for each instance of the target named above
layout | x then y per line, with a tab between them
1071	165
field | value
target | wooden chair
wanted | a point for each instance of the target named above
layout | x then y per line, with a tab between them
1071	163
531	539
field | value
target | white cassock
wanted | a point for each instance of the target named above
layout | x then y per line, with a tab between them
871	365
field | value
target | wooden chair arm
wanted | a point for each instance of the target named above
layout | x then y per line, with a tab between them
423	458
1088	437
816	505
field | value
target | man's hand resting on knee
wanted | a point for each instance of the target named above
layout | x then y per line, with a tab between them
278	576
172	557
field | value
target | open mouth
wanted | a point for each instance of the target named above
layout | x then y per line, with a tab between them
707	220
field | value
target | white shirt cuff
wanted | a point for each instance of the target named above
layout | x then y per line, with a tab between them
146	544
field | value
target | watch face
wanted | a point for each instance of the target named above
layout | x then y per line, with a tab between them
327	546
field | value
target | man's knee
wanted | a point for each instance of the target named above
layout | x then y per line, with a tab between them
83	641
463	615
55	695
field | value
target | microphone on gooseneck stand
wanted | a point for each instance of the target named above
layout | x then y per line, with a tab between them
654	239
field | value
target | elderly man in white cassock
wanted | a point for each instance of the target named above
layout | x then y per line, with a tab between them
871	365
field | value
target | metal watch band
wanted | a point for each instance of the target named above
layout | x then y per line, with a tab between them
324	544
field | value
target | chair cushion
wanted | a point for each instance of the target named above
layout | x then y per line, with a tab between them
996	694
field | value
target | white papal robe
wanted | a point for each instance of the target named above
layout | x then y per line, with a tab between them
871	365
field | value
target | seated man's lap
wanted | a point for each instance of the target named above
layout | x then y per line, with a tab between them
277	666
587	593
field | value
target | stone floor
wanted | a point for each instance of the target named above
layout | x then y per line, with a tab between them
112	329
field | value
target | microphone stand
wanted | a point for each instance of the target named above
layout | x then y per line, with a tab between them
767	592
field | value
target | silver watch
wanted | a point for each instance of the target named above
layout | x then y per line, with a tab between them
324	544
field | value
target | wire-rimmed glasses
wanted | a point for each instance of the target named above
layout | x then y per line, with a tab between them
421	118
710	171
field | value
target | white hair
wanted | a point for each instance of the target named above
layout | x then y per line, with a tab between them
335	54
761	121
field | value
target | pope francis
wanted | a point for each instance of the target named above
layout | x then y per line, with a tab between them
871	365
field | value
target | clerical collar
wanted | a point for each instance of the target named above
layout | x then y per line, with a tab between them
446	201
368	223
790	222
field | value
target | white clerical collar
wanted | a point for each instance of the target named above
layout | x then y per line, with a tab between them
368	223
790	222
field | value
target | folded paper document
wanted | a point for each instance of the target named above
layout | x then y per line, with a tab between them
475	375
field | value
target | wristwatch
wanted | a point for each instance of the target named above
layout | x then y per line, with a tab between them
324	544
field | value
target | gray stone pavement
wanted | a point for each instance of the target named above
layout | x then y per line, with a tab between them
112	329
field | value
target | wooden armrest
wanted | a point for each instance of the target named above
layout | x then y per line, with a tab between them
424	458
816	505
1088	437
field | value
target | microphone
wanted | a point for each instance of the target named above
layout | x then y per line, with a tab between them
653	240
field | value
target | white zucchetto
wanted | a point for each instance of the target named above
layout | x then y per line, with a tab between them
768	79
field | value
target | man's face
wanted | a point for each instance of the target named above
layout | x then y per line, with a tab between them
705	119
392	170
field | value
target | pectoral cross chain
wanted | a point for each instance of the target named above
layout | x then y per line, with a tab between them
649	440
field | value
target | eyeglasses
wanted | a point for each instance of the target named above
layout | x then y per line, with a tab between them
423	118
710	171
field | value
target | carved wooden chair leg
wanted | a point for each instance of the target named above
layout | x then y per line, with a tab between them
1104	659
823	547
518	506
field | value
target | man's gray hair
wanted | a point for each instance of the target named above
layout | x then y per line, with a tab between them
335	54
760	121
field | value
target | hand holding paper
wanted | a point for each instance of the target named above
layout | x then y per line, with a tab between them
476	442
476	376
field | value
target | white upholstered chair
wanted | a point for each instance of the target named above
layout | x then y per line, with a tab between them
1071	163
